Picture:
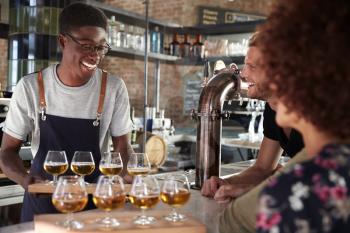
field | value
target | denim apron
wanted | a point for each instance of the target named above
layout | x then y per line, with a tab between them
62	133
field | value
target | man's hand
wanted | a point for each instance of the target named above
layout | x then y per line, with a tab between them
31	179
127	179
211	185
228	192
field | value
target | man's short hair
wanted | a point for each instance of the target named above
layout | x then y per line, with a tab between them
79	15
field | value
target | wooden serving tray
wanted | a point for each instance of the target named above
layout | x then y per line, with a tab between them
47	188
47	223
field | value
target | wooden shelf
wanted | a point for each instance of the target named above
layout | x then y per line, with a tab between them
138	54
132	53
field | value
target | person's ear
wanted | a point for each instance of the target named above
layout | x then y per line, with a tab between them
61	41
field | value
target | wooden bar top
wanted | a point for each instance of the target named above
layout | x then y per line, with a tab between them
203	209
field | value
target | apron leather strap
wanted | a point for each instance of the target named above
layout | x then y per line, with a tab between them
102	92
42	101
101	99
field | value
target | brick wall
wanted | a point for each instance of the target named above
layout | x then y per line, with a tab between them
183	12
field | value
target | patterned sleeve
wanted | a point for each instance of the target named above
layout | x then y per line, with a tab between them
282	204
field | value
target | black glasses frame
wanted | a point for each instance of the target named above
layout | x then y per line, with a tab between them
100	49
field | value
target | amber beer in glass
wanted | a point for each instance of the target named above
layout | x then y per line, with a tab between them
55	164
109	195
138	164
82	163
175	193
144	194
111	164
70	196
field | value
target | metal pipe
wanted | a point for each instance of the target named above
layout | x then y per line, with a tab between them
209	123
146	2
157	81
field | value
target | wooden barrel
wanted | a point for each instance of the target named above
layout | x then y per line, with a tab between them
156	148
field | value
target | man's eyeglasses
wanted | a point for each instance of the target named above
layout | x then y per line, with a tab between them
87	48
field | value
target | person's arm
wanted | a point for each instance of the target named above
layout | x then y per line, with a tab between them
235	185
11	163
266	163
121	144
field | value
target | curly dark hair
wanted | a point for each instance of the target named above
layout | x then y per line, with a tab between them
306	49
79	14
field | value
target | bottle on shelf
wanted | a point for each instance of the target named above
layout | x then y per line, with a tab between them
139	39
155	40
130	37
185	47
112	31
198	47
175	46
121	36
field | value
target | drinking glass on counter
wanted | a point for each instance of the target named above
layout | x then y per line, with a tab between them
82	163
109	195
175	192
138	164
111	164
55	164
70	196
144	194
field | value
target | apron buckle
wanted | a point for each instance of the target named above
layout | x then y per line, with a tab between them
42	113
97	121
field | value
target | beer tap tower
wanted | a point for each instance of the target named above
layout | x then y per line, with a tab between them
224	85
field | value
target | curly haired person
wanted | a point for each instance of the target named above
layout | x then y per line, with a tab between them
305	47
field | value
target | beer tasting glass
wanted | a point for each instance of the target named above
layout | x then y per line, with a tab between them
144	194
70	196
111	164
175	193
109	195
55	164
138	164
82	163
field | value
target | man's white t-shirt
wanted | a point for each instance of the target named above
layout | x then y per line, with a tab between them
71	102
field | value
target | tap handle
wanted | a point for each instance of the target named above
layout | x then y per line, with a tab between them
194	115
206	73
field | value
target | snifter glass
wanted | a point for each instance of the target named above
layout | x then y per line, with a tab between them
111	164
175	192
144	194
109	195
138	164
55	164
82	163
70	196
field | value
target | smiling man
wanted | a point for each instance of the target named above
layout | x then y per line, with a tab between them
70	106
275	141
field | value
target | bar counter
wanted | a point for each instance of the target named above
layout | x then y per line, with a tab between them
203	209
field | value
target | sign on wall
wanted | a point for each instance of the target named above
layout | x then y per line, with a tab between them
213	15
192	91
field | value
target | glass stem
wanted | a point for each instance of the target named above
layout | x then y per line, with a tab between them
143	214
54	179
69	220
173	212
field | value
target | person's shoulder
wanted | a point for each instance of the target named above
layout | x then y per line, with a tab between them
115	82
32	78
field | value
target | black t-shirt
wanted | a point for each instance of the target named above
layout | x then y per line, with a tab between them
272	131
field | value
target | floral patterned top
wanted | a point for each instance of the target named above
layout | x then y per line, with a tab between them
309	197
